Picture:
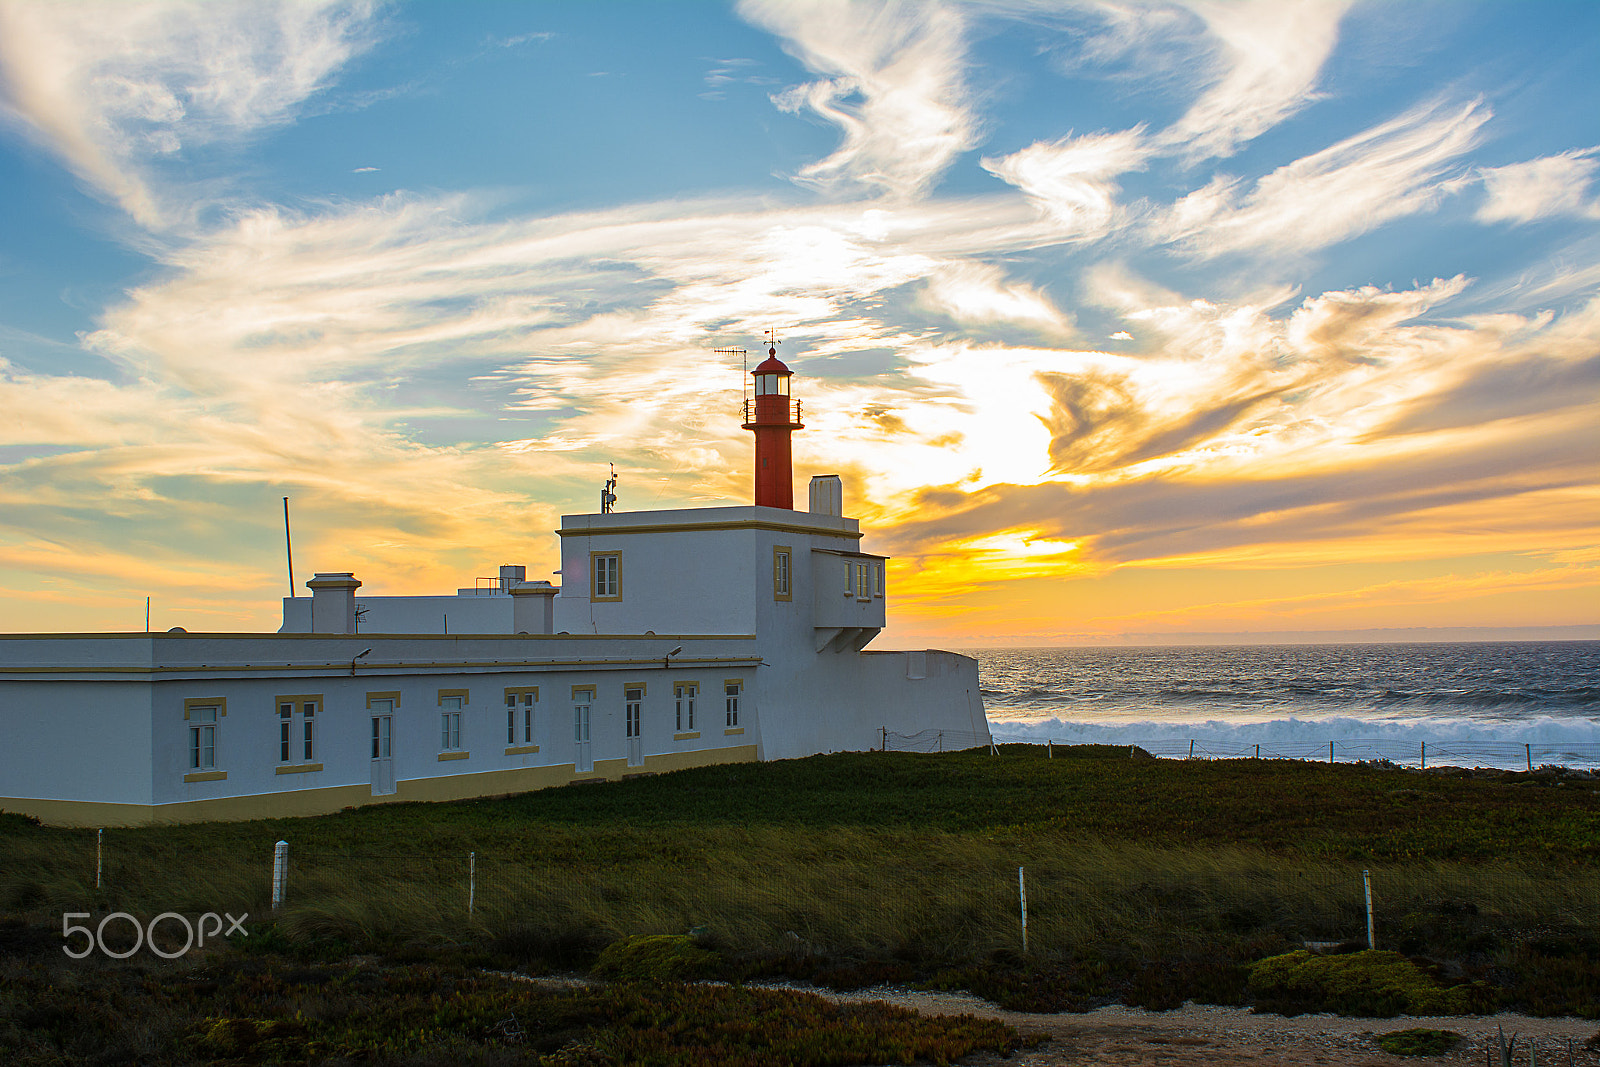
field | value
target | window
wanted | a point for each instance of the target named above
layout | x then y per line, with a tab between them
607	570
519	715
633	700
731	690
450	720
877	576
683	694
863	583
297	728
849	578
782	559
202	736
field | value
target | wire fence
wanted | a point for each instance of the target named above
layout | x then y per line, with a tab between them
1511	755
964	904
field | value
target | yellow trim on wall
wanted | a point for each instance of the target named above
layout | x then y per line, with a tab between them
298	768
686	737
640	686
323	800
206	776
220	703
522	750
297	698
462	693
445	757
394	696
735	730
523	690
585	689
605	599
696	527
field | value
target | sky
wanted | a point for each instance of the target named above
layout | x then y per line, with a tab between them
1122	321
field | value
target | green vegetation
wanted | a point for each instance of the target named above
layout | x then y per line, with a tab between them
1369	983
1149	882
243	1010
1419	1042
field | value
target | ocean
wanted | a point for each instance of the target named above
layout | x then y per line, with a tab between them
1480	704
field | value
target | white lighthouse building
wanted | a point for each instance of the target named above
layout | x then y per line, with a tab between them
675	639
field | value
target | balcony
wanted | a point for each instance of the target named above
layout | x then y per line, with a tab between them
773	411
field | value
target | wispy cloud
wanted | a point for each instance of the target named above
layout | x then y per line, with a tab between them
117	94
1391	170
1541	188
894	84
1074	180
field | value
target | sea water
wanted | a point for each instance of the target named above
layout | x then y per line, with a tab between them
1475	704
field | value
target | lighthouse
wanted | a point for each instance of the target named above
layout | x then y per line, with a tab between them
772	415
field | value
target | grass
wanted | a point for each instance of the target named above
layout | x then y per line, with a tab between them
239	1010
1148	881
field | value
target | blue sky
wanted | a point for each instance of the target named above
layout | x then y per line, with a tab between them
1122	320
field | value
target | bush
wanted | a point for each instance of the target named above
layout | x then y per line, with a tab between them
1367	983
1419	1042
657	958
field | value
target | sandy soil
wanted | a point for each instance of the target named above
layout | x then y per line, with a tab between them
1196	1035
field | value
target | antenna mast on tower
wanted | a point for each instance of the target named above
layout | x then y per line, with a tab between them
608	498
744	358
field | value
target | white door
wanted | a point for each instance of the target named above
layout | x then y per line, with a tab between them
633	697
382	747
580	737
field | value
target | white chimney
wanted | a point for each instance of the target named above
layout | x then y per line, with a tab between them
827	495
333	603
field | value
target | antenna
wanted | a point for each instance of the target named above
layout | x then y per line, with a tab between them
607	497
288	547
744	357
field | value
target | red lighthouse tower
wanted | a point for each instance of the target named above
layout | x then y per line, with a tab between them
772	415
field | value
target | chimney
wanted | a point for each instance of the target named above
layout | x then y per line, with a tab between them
533	608
827	495
333	603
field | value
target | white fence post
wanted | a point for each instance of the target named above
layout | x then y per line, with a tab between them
1366	882
472	881
1022	895
99	839
280	872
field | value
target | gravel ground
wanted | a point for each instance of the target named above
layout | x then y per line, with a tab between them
1196	1035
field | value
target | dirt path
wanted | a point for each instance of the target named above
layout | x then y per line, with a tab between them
1197	1035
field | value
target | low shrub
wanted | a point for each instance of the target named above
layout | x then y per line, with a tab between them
656	958
1419	1041
1371	983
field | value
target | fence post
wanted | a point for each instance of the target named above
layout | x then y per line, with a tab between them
1022	895
1049	749
1330	751
885	731
941	740
472	882
1191	748
1366	883
280	872
1530	756
1424	755
99	838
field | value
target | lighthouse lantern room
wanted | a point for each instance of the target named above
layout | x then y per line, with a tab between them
772	415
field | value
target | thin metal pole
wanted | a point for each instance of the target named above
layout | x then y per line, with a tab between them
1022	895
1330	751
146	614
288	546
472	881
99	838
1366	882
1530	756
1424	755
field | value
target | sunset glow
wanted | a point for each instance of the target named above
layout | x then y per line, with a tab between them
1121	321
